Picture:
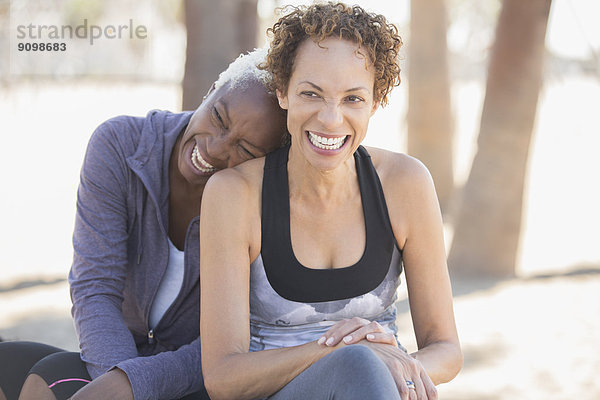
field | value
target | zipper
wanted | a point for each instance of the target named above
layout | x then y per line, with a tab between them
151	331
151	336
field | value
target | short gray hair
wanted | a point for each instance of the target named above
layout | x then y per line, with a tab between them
244	70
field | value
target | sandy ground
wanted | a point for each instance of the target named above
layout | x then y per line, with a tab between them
530	338
527	339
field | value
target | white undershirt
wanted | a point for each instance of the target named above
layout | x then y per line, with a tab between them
169	287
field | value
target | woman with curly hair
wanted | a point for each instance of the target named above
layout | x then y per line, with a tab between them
307	244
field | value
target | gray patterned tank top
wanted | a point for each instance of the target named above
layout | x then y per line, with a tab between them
292	305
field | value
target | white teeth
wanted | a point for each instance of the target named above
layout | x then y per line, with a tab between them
326	143
200	163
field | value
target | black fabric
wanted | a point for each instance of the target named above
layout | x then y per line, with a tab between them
19	359
202	394
64	372
16	359
295	282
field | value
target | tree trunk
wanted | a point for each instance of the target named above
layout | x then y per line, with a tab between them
430	124
217	32
488	227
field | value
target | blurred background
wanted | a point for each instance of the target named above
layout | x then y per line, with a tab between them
500	99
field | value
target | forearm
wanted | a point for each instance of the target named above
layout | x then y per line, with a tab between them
166	375
262	373
103	336
113	384
441	360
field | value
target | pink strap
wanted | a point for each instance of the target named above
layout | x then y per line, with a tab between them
68	380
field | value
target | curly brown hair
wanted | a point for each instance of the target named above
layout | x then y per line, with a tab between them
320	21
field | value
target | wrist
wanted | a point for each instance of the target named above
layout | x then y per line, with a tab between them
325	349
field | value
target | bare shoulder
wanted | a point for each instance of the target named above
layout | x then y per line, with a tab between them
231	207
238	183
400	170
409	192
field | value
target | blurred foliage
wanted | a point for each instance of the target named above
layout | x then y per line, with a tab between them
471	30
4	7
172	11
158	56
75	11
472	23
471	26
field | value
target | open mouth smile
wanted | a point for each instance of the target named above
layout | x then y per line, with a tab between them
326	143
200	163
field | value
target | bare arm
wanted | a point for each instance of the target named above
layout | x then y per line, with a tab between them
417	224
113	384
230	238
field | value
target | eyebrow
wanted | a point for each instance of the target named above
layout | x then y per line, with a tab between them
347	90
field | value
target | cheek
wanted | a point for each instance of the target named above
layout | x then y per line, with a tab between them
293	119
359	116
302	111
360	122
199	126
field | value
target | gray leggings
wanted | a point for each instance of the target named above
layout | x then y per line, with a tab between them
352	372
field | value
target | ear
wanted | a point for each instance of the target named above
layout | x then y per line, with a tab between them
212	89
375	107
283	100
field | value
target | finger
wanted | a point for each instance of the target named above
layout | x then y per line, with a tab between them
430	389
401	382
341	329
403	389
396	372
420	393
329	337
412	394
362	332
382	337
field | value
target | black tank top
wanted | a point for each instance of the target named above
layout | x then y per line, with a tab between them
293	281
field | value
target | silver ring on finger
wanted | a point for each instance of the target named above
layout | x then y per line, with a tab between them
410	384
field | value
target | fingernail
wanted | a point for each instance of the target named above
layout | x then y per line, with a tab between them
370	336
329	341
321	340
348	339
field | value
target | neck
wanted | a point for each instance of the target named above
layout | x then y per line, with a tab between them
327	187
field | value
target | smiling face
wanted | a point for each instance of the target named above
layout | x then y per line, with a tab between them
230	127
329	100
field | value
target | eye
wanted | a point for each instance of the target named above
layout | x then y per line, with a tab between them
217	116
309	93
354	99
245	153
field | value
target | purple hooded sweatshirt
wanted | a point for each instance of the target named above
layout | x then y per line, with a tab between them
121	253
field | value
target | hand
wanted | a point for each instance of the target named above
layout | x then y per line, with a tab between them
404	368
354	330
113	385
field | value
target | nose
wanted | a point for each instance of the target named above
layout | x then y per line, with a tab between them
330	115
